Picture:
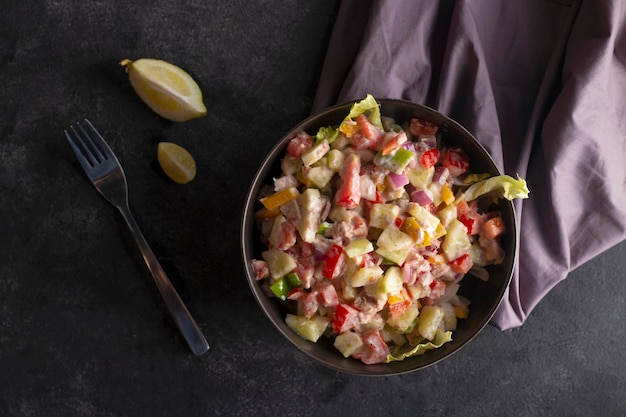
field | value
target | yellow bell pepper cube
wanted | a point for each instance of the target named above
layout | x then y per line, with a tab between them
274	201
447	196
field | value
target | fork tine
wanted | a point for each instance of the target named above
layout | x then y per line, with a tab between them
99	146
80	154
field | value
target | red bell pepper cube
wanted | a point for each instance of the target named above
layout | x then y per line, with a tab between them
462	264
333	262
345	318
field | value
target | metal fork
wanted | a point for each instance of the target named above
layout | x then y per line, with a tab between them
106	174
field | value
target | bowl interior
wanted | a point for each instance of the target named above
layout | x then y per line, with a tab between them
485	296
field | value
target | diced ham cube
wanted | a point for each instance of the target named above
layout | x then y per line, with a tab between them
375	350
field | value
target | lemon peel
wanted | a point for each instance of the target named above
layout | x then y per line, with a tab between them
166	88
177	163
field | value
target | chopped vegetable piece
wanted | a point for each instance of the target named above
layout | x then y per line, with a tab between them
279	198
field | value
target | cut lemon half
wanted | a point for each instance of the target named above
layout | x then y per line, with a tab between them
176	162
165	88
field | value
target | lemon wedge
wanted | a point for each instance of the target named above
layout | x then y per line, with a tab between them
176	162
167	89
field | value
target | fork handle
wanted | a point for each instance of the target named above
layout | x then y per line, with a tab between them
183	319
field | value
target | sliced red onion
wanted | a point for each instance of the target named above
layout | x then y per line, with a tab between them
423	196
441	175
430	141
398	180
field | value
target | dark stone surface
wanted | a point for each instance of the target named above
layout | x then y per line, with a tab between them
83	331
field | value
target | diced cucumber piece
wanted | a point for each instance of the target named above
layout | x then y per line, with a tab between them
383	215
279	263
364	276
394	245
348	343
334	159
427	221
391	282
430	319
456	242
420	177
447	214
316	153
319	176
308	329
359	246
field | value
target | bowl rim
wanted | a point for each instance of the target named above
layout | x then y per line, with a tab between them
263	301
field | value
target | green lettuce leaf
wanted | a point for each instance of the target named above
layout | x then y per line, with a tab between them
329	133
439	340
502	186
368	104
472	178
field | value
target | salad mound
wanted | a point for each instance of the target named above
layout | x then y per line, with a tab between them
369	230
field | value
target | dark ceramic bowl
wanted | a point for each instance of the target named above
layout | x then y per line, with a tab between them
485	296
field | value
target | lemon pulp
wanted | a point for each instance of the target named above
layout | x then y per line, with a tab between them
176	162
167	89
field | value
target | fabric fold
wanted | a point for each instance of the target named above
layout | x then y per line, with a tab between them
540	83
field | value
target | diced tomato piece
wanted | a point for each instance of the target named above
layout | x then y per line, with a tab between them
349	192
493	228
462	264
419	127
456	161
333	262
299	144
368	129
375	348
430	157
394	143
345	318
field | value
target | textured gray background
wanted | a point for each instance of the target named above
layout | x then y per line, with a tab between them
83	331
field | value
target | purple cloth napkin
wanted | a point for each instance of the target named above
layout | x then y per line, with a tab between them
541	84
